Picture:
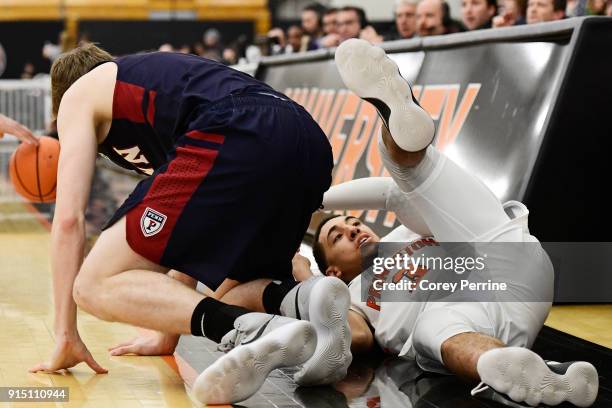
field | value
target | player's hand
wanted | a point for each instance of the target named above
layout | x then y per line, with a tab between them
67	354
301	268
8	125
150	343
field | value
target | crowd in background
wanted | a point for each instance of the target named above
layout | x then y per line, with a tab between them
322	27
327	27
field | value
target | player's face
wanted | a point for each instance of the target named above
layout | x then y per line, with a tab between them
342	238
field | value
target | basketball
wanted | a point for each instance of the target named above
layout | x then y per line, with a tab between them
33	170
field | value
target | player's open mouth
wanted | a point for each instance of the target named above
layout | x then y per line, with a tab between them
362	240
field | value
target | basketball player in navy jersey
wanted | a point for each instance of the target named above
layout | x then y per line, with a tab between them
227	157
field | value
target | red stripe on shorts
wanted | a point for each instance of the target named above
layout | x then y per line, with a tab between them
151	108
127	102
207	137
168	195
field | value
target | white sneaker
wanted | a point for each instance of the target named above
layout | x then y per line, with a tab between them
329	303
240	373
367	71
524	376
251	327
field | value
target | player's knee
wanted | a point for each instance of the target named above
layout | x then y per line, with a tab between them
86	293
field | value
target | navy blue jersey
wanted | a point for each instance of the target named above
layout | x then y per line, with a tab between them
156	96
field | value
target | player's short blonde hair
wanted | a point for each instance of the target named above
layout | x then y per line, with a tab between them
72	65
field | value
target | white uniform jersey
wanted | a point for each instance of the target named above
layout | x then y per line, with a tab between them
392	321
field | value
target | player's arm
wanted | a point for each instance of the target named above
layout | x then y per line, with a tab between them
362	337
368	193
77	133
81	112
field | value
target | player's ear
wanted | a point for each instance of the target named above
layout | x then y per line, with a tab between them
333	271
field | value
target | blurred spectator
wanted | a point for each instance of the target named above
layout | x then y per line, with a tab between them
511	12
312	26
405	20
349	22
433	18
478	14
596	7
198	49
352	22
329	21
212	44
166	47
330	29
65	43
609	8
539	11
185	49
229	57
276	42
28	71
294	39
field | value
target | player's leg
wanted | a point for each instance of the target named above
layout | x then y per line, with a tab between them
455	205
117	284
324	301
462	338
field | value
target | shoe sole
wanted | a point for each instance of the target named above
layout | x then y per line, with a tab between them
372	75
330	300
238	375
524	376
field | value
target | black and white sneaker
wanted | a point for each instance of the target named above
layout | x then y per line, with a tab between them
251	327
367	71
524	376
238	374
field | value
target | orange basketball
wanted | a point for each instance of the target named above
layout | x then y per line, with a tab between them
33	170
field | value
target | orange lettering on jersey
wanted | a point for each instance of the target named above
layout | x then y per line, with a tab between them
337	138
430	241
371	303
373	402
452	121
416	91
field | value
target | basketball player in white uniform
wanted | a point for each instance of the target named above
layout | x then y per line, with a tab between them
432	196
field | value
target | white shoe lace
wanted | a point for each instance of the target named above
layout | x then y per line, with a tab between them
479	388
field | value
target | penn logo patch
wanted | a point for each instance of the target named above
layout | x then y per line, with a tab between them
152	222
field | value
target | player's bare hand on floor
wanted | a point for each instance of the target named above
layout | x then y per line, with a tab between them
149	343
69	352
